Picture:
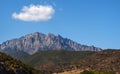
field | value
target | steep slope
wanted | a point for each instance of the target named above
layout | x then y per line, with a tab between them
35	42
9	65
107	60
55	60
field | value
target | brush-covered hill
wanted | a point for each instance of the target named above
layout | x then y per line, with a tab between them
8	65
103	62
56	60
107	60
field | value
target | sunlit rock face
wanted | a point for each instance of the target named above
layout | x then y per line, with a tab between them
34	42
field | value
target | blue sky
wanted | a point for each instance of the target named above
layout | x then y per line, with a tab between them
90	22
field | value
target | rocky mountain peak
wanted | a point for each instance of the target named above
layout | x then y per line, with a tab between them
35	42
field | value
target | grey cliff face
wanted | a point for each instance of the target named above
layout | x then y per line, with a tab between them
35	42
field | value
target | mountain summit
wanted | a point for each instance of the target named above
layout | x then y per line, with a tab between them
35	42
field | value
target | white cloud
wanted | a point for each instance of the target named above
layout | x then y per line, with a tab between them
35	13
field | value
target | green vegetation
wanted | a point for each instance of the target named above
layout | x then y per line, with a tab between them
96	72
56	60
56	56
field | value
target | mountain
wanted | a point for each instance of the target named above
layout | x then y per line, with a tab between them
8	65
35	42
55	60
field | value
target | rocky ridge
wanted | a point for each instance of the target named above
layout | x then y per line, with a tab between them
35	42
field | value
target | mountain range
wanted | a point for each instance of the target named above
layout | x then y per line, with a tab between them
35	42
49	53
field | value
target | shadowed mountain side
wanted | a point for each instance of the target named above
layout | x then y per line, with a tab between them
19	55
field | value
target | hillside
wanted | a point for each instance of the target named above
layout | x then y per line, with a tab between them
104	62
36	42
107	60
9	65
55	60
61	61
